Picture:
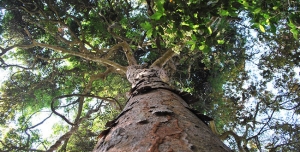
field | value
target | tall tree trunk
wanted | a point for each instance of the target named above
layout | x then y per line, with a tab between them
156	119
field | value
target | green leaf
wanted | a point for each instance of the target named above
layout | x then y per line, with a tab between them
194	37
256	11
195	26
292	25
149	33
268	22
262	28
209	30
193	46
245	3
146	26
224	13
220	41
159	5
202	47
266	16
190	42
295	33
157	15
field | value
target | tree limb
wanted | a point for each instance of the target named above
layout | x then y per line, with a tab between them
73	129
80	99
91	57
72	95
88	89
39	122
160	62
237	138
129	54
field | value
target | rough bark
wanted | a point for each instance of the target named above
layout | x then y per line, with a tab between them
156	119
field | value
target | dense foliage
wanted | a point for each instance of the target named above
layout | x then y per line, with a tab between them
64	64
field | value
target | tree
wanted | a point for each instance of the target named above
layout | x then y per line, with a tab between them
157	119
69	59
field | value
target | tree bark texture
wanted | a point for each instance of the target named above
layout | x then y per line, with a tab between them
155	119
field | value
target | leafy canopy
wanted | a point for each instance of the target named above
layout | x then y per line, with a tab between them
66	61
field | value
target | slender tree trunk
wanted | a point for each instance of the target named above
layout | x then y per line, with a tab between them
156	119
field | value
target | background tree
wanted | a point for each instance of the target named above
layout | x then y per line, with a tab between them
66	63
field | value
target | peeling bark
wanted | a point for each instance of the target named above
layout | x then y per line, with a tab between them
156	119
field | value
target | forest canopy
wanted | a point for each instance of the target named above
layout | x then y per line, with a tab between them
64	64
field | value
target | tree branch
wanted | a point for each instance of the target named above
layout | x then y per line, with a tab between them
160	62
72	95
91	57
60	115
39	122
237	138
80	99
13	147
88	89
129	54
67	135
